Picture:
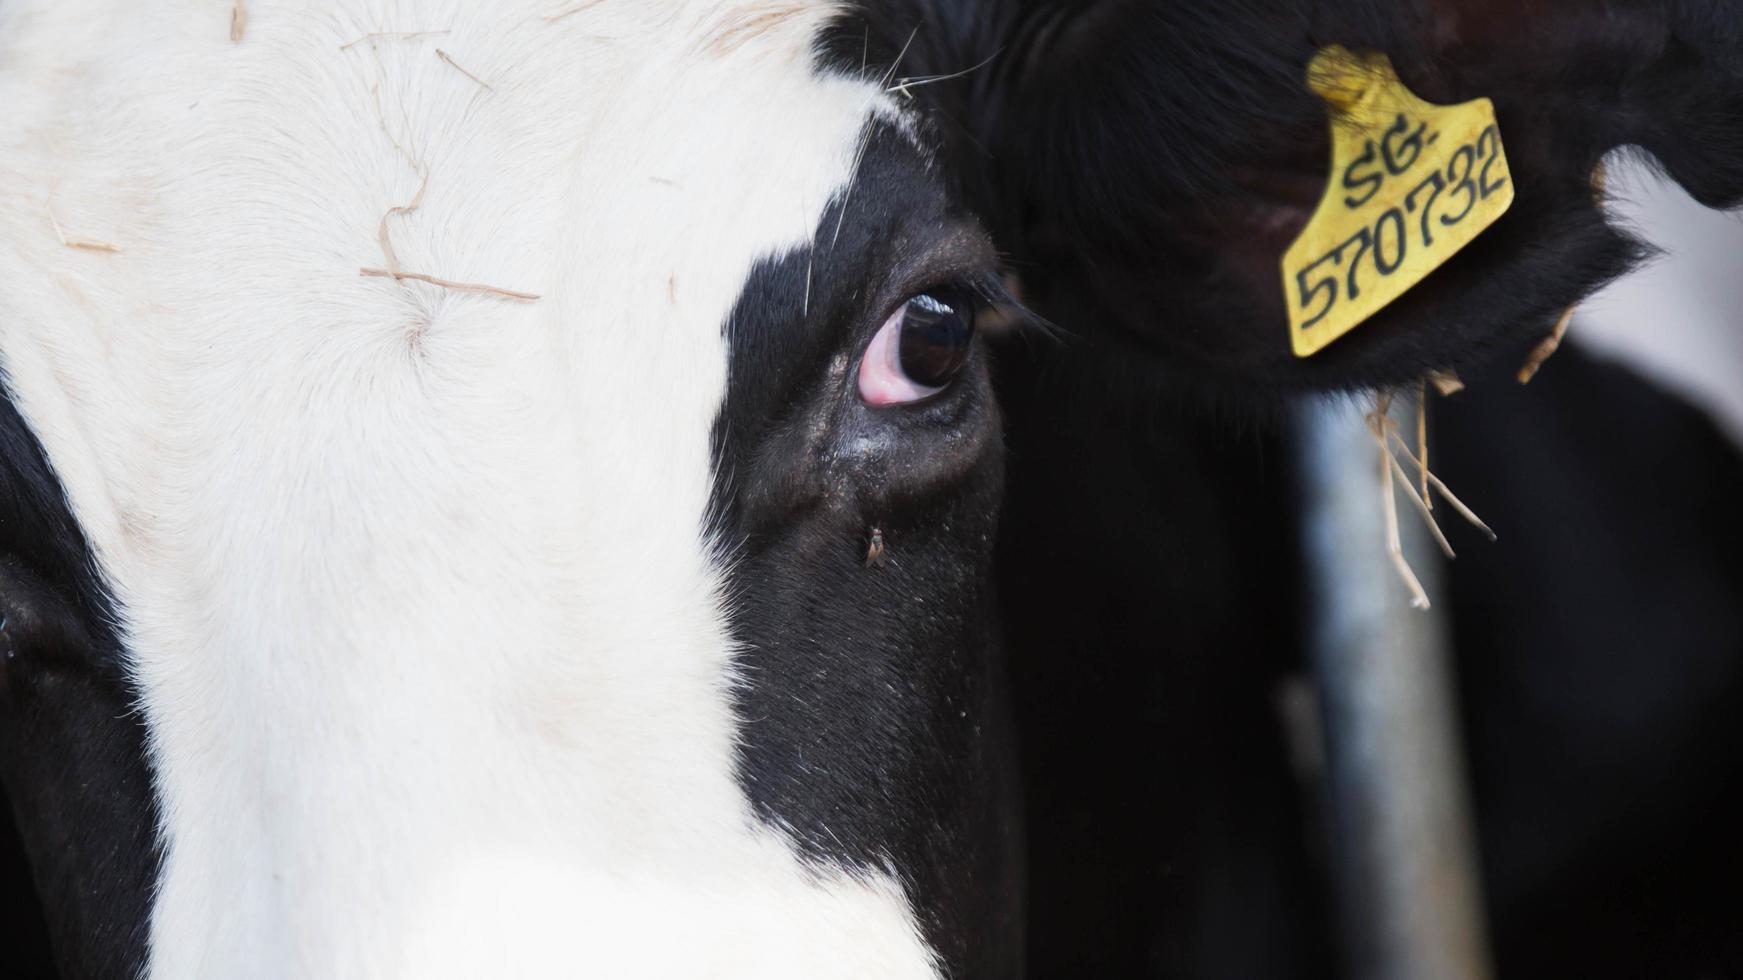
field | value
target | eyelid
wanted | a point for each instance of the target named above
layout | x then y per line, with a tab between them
973	285
957	254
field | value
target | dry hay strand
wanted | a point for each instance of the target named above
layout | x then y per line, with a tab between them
1549	345
238	20
1446	494
747	24
463	287
572	9
381	118
1422	437
86	244
456	66
1395	543
1546	347
417	201
1377	422
393	270
1446	382
1393	475
1418	500
1395	546
375	36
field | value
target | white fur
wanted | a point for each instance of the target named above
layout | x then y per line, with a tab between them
1680	319
415	581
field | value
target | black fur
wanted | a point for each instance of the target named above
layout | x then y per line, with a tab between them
23	932
71	751
1148	591
1141	166
1144	165
1600	653
875	719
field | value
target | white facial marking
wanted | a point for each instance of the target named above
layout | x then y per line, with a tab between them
415	580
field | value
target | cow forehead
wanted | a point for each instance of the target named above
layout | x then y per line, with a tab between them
627	163
390	554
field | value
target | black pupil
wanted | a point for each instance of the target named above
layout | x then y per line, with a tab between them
937	327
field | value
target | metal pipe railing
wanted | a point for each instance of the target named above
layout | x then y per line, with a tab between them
1402	842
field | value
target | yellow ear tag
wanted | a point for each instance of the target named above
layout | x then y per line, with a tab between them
1411	184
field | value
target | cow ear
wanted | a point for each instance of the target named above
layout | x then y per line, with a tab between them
1146	165
1666	76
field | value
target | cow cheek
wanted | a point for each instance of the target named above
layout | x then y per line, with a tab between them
855	467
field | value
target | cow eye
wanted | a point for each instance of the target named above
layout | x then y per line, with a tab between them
919	349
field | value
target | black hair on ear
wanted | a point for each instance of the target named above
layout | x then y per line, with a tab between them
1144	165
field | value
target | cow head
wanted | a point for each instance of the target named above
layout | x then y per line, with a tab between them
356	624
599	581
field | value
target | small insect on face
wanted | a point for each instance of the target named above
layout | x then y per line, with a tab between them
874	551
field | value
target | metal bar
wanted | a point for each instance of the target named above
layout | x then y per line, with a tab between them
1402	843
